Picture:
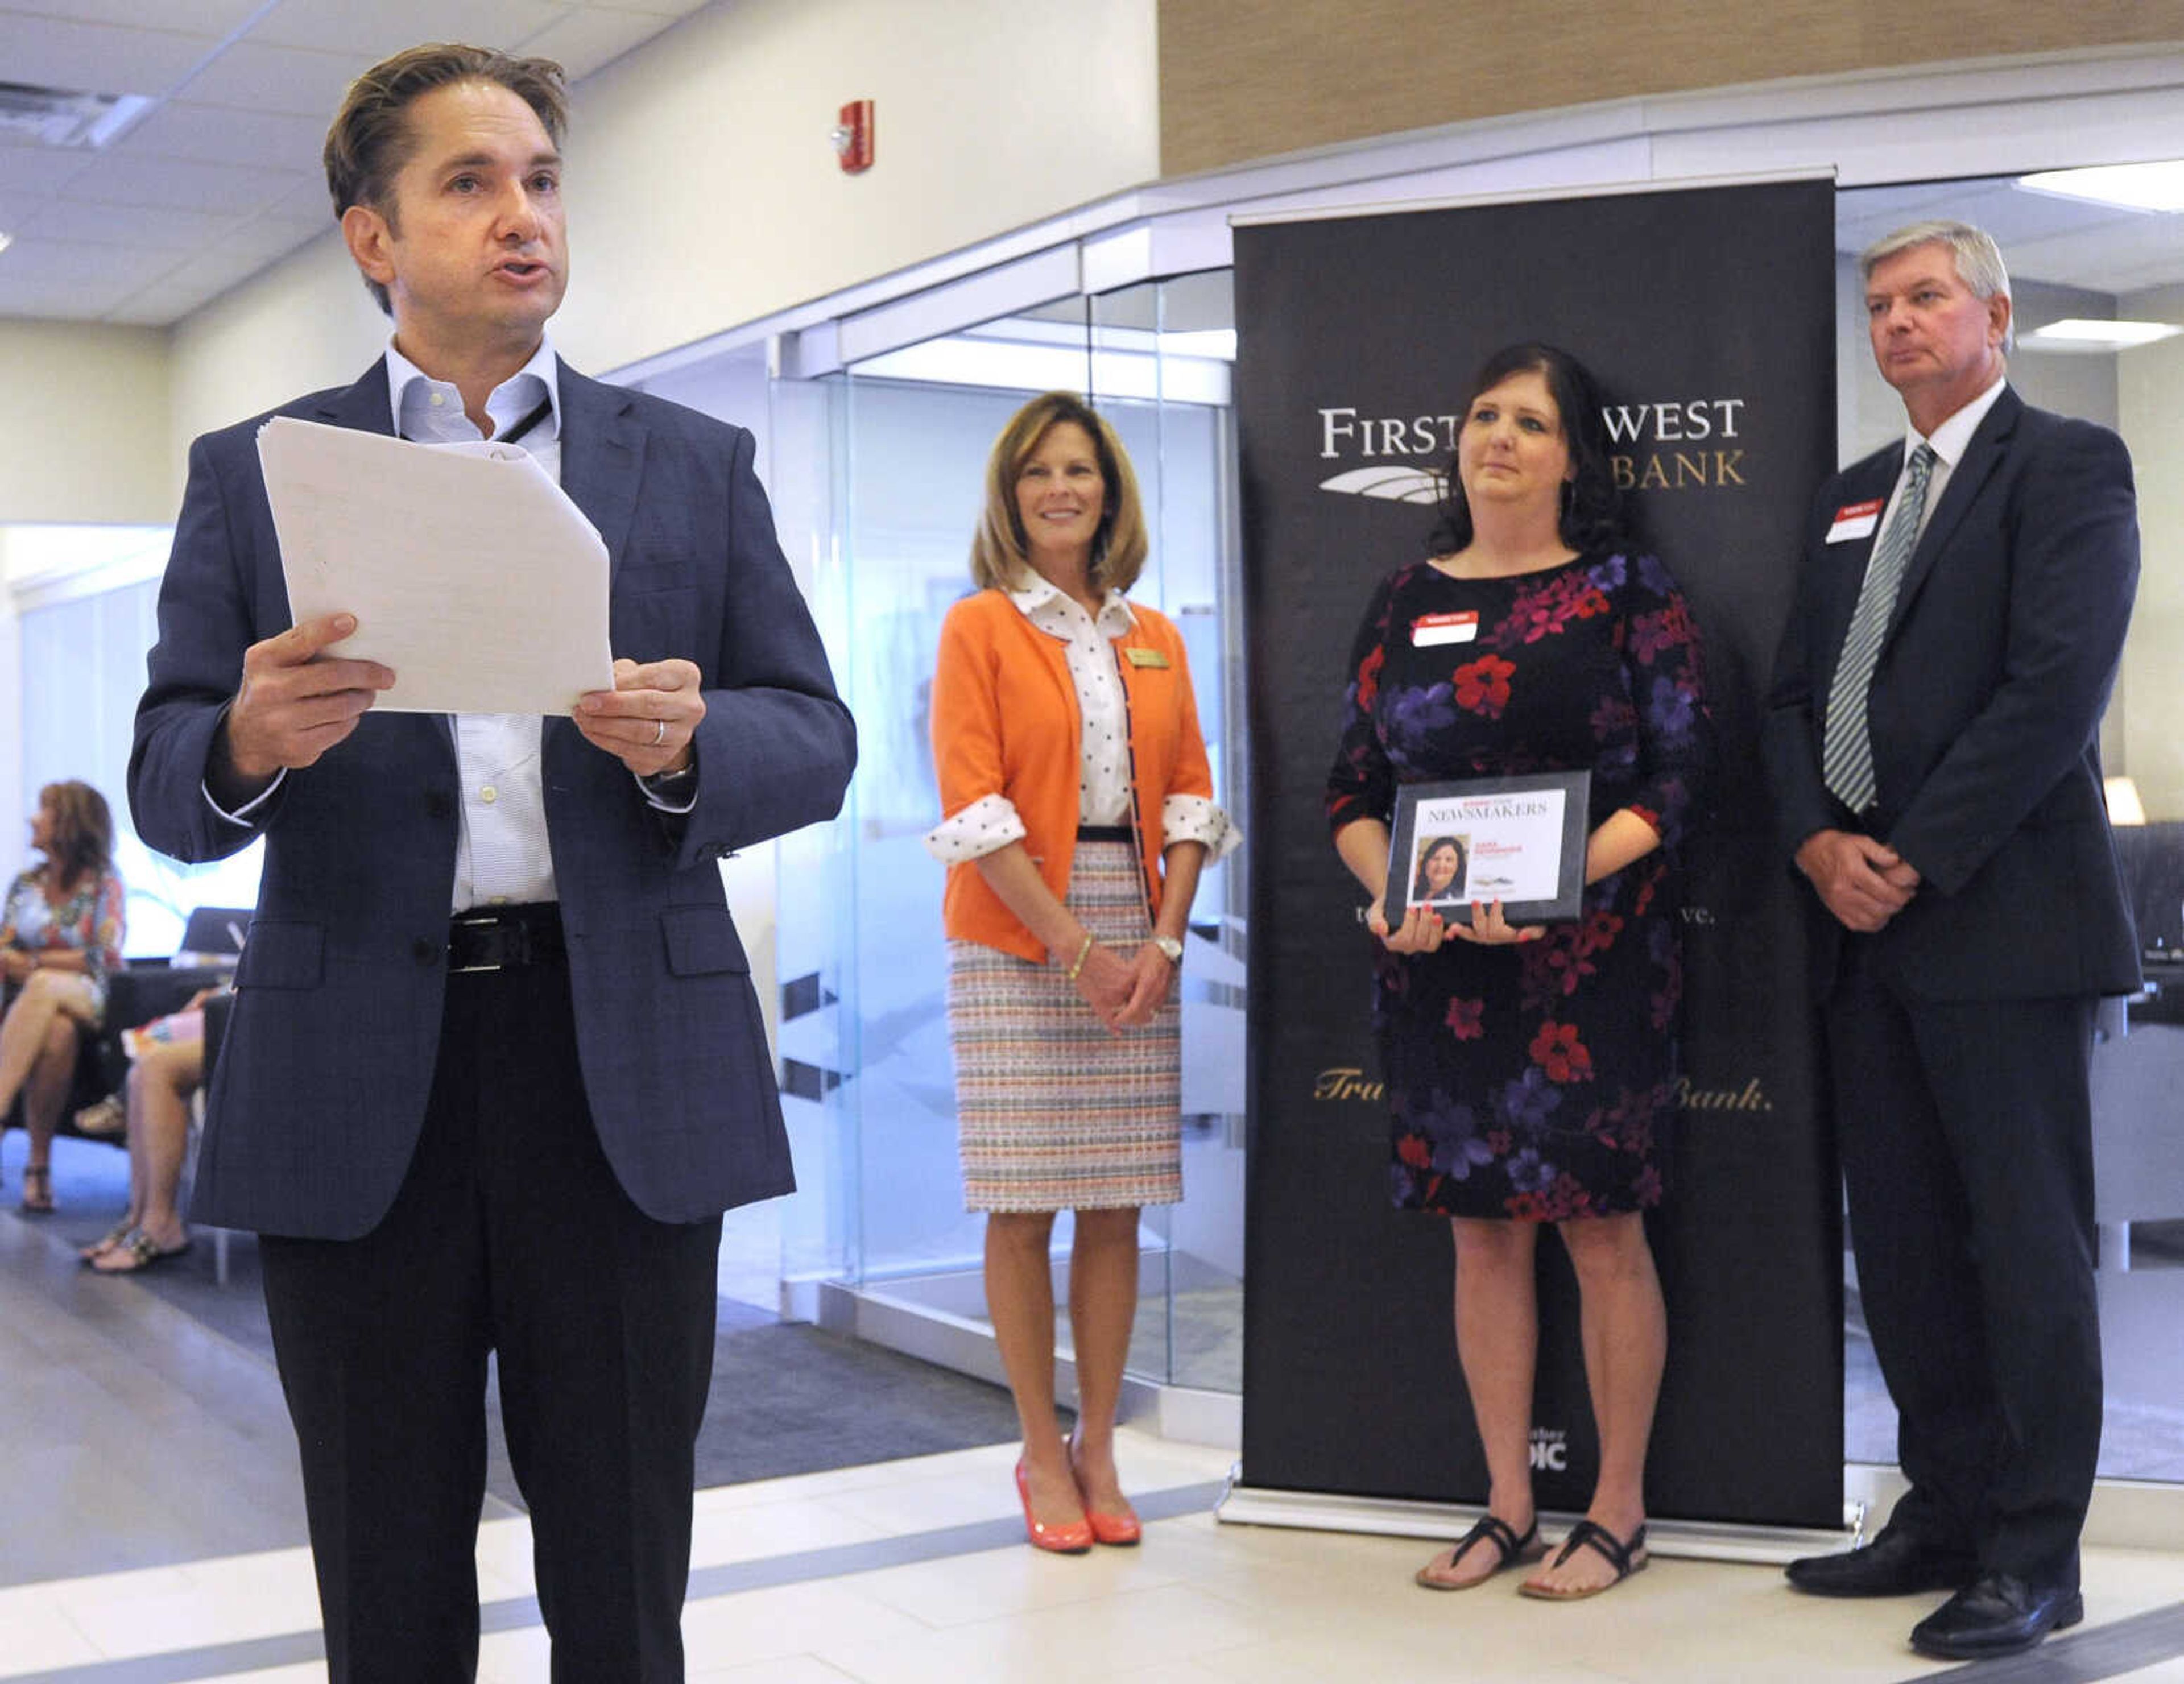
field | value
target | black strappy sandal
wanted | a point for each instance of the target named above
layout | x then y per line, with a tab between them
1512	1550
1625	1558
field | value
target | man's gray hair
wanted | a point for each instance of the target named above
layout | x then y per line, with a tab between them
1978	258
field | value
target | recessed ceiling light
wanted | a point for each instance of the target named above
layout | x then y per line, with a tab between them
2135	187
6	241
2075	334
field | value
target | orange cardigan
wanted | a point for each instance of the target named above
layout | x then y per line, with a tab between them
1006	722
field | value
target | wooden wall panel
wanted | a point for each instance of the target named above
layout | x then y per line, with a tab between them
1248	79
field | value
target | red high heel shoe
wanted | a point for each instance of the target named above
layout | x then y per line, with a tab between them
1113	1529
1072	1537
1107	1529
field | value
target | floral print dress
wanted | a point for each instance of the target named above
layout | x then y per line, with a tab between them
1537	1081
88	921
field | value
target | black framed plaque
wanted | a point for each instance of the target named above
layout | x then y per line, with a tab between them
1518	840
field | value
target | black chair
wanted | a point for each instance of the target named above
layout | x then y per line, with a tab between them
216	931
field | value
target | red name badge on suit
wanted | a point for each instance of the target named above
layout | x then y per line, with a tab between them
1430	629
1855	520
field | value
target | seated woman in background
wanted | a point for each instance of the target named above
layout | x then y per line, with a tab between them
166	1066
60	939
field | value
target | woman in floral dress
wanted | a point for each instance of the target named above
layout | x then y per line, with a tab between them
60	939
1531	1069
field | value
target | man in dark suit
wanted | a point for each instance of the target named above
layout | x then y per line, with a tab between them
495	1066
1932	742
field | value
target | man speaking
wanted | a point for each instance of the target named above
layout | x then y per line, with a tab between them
495	1066
1932	742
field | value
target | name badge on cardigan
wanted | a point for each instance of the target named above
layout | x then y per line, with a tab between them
1145	657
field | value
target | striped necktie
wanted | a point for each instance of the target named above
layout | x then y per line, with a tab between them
1847	749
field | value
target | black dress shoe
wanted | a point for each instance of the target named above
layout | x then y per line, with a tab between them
1894	1564
1998	1614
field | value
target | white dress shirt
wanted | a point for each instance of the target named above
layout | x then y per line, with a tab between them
1950	441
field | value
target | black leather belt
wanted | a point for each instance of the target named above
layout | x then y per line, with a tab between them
1105	832
504	938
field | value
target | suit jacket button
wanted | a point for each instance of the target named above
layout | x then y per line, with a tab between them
438	804
423	952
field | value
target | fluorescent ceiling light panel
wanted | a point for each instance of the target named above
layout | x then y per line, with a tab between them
57	116
2073	333
2134	186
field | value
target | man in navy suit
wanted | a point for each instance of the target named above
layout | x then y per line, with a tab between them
1932	739
495	1066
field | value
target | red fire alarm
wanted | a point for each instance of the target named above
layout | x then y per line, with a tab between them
853	138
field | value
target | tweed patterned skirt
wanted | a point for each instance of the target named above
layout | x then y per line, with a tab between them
1053	1112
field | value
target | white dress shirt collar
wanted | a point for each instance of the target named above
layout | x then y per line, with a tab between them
1954	436
430	411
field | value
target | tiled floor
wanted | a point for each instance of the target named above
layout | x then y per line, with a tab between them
909	1573
150	1530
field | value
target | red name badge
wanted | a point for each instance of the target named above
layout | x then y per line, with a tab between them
1429	629
1855	520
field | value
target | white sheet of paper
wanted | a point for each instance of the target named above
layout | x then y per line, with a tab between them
469	572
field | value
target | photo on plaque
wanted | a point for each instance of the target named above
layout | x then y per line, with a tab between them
1518	840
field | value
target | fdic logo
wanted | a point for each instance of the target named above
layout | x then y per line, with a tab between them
1675	446
1550	1451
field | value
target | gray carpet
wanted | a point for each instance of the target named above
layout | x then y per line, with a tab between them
787	1398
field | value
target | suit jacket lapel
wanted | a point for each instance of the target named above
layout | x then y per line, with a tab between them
602	460
602	456
1990	440
364	406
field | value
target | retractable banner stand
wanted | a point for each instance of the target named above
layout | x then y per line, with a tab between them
1708	314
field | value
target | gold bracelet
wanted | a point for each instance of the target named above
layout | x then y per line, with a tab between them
1077	965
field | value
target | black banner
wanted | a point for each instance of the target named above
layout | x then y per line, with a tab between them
1708	315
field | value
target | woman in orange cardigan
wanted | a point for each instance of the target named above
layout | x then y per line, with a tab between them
1079	811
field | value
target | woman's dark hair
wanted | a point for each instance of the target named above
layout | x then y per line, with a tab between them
82	840
1420	890
1593	510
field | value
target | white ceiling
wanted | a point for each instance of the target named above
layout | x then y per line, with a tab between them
222	176
2071	242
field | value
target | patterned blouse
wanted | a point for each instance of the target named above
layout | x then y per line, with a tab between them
88	921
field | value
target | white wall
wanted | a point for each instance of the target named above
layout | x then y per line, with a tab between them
704	193
84	436
303	324
700	164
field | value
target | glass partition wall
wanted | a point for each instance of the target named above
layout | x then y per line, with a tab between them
865	1036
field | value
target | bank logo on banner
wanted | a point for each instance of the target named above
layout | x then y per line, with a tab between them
1550	1450
1676	445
